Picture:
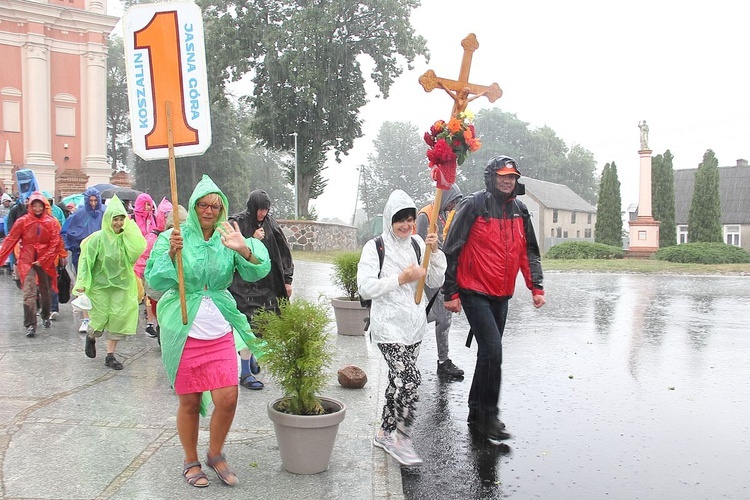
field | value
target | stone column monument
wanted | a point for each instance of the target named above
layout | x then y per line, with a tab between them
644	231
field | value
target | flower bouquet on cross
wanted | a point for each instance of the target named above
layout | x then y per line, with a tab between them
450	144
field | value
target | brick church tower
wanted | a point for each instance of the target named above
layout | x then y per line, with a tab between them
53	92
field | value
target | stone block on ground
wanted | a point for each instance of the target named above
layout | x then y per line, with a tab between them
352	377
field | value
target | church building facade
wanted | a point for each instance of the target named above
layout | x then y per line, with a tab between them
53	92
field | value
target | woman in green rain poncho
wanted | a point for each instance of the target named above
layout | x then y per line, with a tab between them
201	357
105	274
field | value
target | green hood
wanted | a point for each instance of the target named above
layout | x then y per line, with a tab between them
114	208
204	187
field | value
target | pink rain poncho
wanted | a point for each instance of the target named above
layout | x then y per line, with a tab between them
105	273
145	216
165	207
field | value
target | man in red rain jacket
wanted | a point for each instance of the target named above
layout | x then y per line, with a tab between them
490	240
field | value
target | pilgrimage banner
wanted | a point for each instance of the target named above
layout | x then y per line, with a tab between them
165	59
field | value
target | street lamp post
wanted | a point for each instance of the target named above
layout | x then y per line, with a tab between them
296	184
356	197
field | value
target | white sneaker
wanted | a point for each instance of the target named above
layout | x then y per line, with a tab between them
53	315
398	446
84	326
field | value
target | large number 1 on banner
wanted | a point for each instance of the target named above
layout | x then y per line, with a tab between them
160	38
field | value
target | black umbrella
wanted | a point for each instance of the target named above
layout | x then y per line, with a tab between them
121	192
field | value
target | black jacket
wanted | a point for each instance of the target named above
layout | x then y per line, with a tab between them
265	292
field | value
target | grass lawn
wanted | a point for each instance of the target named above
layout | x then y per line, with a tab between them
592	265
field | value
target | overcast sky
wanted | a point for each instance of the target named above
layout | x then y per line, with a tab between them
590	70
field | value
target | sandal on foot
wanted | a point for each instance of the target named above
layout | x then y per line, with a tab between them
250	382
254	366
225	473
192	479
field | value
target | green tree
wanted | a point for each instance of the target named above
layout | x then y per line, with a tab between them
662	198
541	154
399	162
118	113
704	218
545	156
580	174
305	59
501	133
608	228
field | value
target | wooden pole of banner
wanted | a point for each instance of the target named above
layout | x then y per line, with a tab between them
175	204
462	92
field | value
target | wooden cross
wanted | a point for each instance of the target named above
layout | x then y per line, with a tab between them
462	92
461	89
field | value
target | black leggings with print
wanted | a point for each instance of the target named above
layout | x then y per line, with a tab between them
402	394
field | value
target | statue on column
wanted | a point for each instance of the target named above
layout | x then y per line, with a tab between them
644	134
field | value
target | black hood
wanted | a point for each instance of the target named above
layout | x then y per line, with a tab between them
489	183
258	200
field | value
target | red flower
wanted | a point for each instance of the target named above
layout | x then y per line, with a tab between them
440	153
449	145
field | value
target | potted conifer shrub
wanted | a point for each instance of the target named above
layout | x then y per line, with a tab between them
298	355
350	315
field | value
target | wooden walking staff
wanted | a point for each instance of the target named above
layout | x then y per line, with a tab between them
462	92
175	203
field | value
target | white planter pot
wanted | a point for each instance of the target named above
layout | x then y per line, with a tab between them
350	316
306	441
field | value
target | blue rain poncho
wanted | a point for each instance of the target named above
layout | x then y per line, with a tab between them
83	223
208	268
105	273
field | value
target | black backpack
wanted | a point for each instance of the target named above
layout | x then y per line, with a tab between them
381	256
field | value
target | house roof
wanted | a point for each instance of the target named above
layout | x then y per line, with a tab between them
556	196
734	194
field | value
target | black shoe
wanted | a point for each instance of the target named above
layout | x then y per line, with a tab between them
112	362
473	418
90	348
151	331
449	369
491	428
31	331
46	323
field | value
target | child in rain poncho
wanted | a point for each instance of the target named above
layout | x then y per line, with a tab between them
105	274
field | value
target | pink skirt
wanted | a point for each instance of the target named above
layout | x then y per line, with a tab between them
207	365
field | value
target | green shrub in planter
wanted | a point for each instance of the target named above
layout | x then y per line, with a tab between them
584	250
297	353
345	273
703	253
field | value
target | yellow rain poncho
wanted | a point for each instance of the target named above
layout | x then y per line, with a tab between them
208	269
105	272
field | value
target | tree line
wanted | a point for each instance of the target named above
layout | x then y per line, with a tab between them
398	160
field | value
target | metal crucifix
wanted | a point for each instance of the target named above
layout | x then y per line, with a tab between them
462	92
